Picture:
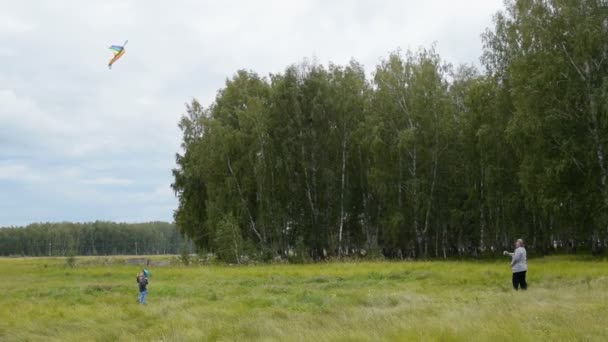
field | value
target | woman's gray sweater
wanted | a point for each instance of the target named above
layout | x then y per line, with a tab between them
519	263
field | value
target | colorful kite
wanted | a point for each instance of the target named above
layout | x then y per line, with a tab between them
118	52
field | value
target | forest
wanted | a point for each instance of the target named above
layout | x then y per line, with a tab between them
416	158
95	238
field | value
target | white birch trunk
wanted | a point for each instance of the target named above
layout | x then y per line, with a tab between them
342	197
243	202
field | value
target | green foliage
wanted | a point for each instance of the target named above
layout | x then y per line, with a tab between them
423	160
549	55
95	238
184	256
228	242
70	261
300	254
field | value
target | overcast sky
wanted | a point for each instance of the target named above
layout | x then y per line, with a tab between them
79	142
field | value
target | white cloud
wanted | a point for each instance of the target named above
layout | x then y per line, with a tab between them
108	181
102	142
24	112
11	24
15	172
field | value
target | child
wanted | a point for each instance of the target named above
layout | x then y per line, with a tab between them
142	281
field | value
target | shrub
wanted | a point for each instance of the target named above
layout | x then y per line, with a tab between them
228	241
70	261
184	257
300	255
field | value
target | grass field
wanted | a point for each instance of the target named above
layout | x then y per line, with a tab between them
43	299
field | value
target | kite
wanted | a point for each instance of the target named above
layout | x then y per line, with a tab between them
118	52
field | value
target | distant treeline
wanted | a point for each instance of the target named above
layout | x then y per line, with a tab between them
94	238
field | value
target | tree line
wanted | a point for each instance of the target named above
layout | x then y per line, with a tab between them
95	238
423	159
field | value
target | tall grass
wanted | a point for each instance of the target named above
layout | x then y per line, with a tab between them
43	299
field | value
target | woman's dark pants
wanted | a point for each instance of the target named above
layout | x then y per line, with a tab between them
519	280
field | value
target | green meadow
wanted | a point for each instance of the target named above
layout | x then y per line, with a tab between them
43	299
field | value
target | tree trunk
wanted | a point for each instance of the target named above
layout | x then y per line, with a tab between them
482	219
342	197
423	234
413	173
399	185
436	243
599	148
308	188
243	202
236	246
444	241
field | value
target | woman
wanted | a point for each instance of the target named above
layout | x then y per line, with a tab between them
519	265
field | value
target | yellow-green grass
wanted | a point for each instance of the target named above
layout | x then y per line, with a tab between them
43	300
